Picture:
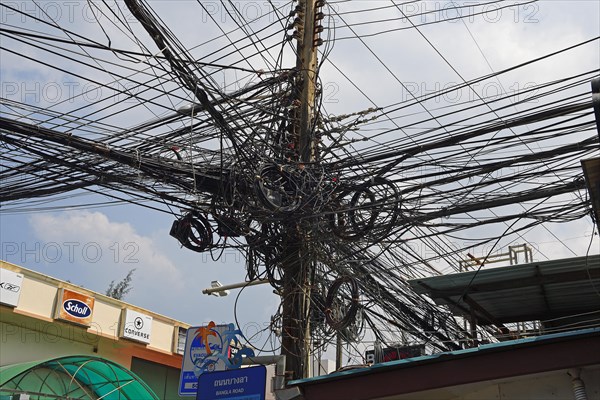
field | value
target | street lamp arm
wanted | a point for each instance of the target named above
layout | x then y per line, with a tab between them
216	290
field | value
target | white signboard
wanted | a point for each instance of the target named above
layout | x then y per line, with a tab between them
205	351
136	326
10	287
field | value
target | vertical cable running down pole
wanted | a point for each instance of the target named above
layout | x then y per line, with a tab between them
297	260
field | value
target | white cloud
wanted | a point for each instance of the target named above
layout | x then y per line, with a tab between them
103	250
168	279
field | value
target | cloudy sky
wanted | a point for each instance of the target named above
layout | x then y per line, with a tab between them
94	245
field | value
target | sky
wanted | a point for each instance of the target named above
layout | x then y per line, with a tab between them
93	246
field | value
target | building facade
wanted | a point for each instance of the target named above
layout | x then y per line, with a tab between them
42	317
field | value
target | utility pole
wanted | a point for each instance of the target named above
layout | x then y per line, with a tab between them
297	262
297	259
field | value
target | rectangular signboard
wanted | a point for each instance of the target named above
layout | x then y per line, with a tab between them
74	307
395	353
136	326
10	287
196	357
233	384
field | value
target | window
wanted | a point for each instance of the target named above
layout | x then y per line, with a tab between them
179	345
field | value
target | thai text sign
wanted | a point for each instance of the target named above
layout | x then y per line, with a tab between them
234	384
208	349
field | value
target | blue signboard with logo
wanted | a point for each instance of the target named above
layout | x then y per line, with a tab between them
204	350
208	349
234	384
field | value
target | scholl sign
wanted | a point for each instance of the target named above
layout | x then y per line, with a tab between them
74	307
77	309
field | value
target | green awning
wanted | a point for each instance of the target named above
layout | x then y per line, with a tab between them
73	377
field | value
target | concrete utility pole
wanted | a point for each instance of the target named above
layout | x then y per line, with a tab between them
297	258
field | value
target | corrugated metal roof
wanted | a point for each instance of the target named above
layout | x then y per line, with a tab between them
536	291
517	343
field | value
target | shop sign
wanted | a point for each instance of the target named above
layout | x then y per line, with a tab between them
394	353
208	349
74	307
136	326
10	287
235	384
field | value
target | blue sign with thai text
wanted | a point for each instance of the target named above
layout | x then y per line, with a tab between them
208	349
234	384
